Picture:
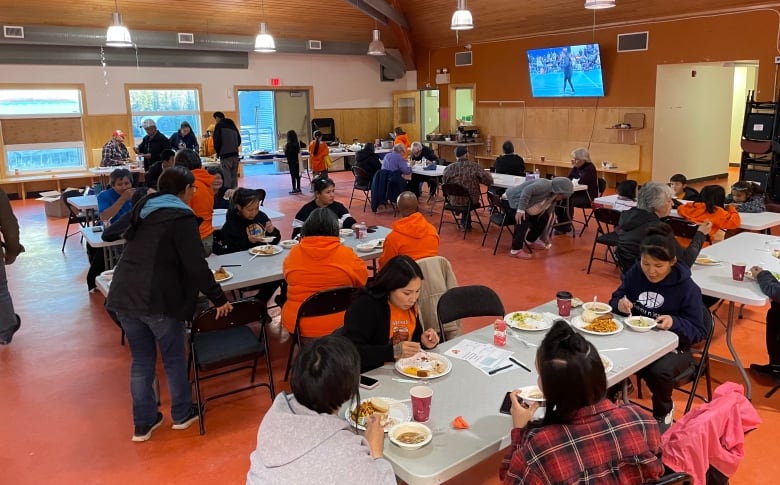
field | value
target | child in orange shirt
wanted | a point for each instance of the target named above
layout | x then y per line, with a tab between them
402	138
710	208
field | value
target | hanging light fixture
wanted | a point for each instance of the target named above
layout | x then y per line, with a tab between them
117	34
264	42
376	47
599	4
461	19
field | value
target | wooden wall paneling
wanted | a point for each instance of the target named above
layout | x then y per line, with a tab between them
41	130
384	122
336	114
98	130
358	124
547	123
581	123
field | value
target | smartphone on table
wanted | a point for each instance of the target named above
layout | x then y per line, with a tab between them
368	382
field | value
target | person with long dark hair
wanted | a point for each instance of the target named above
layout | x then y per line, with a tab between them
710	207
292	152
324	197
302	439
368	160
584	437
383	322
318	150
154	291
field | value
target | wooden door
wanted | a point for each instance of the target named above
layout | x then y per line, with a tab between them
406	113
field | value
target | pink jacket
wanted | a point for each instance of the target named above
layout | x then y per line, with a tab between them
711	434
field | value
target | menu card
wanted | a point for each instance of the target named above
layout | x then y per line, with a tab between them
485	357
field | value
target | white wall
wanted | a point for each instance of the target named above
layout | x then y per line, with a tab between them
744	81
338	81
692	120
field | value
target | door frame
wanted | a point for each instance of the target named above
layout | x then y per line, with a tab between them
309	91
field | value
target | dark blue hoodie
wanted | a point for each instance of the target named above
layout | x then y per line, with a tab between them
676	295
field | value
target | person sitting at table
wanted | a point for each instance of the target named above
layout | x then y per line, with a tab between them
583	436
222	193
383	322
318	263
509	163
626	195
747	196
304	439
653	203
369	161
394	178
115	202
709	207
202	201
114	151
324	197
771	288
412	234
584	171
468	174
185	138
531	204
418	153
401	138
166	161
679	184
318	150
660	287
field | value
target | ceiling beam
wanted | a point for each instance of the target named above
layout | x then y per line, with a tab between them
405	45
369	10
392	12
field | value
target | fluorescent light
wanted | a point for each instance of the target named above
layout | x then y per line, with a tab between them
599	4
117	34
376	47
264	42
461	19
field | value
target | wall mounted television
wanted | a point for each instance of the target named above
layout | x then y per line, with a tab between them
566	71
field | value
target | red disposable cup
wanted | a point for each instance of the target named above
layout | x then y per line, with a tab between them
421	402
563	299
738	271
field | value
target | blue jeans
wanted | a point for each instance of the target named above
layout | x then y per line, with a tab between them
144	334
7	317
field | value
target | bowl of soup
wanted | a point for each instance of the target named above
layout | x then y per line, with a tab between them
411	435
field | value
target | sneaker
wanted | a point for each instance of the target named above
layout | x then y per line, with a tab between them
769	370
520	254
292	192
665	422
187	422
537	245
143	433
14	329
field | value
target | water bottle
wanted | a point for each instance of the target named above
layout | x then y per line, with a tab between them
499	332
536	173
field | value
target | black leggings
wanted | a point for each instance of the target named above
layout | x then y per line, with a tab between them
531	228
295	173
660	376
773	333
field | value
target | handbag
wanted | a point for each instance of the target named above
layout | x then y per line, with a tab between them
328	161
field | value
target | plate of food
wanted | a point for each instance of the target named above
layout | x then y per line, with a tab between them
531	393
391	412
377	243
424	365
288	243
530	321
266	250
411	435
602	325
576	302
221	274
639	323
345	232
705	260
749	275
607	362
365	248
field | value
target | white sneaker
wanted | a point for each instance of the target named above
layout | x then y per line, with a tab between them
665	422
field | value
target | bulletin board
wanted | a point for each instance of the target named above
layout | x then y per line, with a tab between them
30	131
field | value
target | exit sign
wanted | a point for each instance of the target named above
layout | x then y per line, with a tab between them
275	81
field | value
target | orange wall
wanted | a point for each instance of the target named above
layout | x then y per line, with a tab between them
500	69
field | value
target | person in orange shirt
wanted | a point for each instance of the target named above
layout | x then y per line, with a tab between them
207	146
318	263
412	235
202	202
712	198
318	150
402	138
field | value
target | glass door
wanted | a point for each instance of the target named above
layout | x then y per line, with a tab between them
430	112
406	112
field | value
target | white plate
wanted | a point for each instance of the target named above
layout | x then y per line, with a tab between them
576	302
608	364
365	248
378	243
640	328
530	321
436	364
411	426
220	212
253	251
397	413
229	275
705	260
345	232
529	393
580	325
288	243
109	274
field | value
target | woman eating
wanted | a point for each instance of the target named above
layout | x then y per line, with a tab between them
324	197
222	194
584	437
709	207
382	322
318	150
303	439
660	287
318	263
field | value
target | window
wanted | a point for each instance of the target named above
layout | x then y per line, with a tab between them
167	107
42	130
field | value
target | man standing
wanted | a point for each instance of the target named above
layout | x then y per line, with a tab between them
412	235
152	145
9	226
226	141
468	174
114	151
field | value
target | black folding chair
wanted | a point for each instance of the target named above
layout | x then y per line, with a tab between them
216	343
456	190
362	184
499	216
74	217
587	211
467	301
606	221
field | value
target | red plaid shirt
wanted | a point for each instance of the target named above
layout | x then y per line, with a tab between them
603	444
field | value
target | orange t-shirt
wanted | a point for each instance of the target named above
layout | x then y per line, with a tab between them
404	140
725	219
413	236
317	160
401	320
202	202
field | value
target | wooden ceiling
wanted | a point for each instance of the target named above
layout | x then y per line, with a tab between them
338	20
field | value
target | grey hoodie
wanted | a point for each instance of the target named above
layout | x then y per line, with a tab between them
297	445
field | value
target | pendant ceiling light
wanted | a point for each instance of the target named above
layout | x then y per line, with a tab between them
376	47
264	42
117	34
599	4
461	19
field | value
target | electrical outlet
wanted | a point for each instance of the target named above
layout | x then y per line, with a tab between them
777	59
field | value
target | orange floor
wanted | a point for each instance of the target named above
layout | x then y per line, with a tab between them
64	392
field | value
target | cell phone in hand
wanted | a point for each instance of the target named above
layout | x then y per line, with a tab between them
506	405
368	382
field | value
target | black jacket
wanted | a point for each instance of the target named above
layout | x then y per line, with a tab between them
367	325
153	145
162	267
632	229
190	141
511	164
370	162
226	138
234	232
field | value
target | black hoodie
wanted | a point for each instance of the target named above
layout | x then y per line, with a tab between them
235	232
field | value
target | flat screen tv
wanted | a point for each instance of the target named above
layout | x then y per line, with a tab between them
566	71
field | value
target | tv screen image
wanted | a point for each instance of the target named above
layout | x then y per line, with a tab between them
566	71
